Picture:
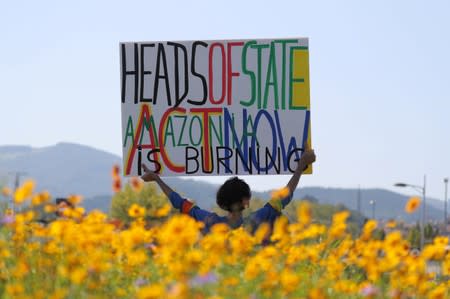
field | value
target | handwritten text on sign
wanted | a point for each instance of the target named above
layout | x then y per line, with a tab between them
214	107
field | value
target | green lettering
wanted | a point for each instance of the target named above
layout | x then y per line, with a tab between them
184	117
200	131
218	133
283	43
249	73
271	72
150	123
250	132
259	49
169	132
129	132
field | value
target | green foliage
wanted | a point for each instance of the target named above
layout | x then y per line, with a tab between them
430	232
3	206
378	234
3	199
414	236
148	197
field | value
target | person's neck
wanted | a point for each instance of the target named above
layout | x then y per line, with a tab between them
234	217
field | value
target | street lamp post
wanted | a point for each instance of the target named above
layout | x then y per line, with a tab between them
445	204
373	203
421	189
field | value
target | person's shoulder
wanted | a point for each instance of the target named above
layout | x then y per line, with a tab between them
213	218
268	211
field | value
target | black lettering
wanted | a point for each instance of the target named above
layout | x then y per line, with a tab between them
203	160
126	73
248	165
156	162
187	158
220	160
139	160
176	47
196	74
297	149
161	58
273	160
257	158
143	72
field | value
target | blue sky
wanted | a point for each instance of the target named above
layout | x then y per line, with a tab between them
380	76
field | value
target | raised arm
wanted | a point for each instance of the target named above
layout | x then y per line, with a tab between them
150	176
178	202
272	210
307	158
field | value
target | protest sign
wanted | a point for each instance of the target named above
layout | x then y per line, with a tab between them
227	107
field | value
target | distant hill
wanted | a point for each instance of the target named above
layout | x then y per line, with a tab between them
72	168
61	169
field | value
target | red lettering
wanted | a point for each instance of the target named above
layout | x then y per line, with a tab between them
210	69
144	115
162	125
230	72
206	146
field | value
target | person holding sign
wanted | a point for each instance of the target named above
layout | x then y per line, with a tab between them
234	196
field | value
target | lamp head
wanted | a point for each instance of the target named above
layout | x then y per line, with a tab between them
400	185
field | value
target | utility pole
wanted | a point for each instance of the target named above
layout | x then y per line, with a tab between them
373	203
445	204
424	212
358	200
423	217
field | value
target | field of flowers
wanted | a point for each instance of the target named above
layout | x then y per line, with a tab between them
90	256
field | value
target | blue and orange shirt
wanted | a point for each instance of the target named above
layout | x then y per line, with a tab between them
267	214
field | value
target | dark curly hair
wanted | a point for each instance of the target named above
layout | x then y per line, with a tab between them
231	194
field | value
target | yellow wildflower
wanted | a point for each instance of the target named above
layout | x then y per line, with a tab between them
75	199
280	193
6	191
163	211
154	291
14	289
21	270
412	204
77	275
117	185
136	183
368	228
304	213
262	233
280	229
115	172
391	224
231	281
341	217
441	241
59	294
439	292
49	208
24	192
136	211
289	280
316	293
